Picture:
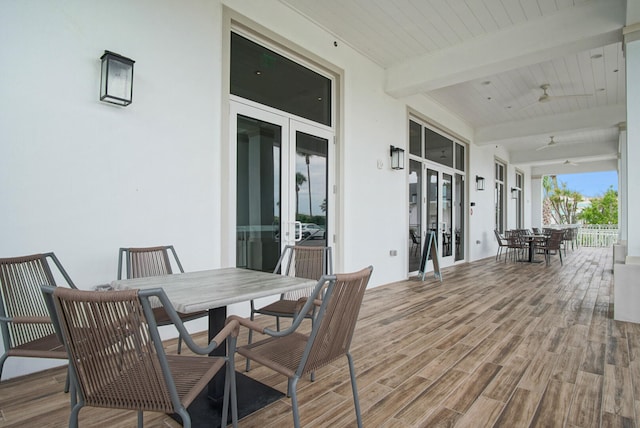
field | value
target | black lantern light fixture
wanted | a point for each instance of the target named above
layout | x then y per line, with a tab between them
514	193
116	81
479	183
397	157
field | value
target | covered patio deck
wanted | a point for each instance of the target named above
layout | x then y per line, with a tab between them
495	344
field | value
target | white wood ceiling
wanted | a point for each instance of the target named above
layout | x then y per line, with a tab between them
485	60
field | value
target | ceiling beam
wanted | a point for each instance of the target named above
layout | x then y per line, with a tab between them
570	30
599	117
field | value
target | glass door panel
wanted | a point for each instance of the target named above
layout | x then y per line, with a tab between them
258	193
311	181
415	215
432	205
447	215
459	204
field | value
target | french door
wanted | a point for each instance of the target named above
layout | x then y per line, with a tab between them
282	181
436	204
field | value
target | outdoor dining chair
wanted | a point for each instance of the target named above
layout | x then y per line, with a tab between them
117	358
294	354
24	320
154	261
301	262
553	245
502	243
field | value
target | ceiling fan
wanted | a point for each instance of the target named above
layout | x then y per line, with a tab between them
551	143
568	162
545	97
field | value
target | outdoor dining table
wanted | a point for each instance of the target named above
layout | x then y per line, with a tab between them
213	290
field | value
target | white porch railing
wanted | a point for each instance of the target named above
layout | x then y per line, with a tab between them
597	235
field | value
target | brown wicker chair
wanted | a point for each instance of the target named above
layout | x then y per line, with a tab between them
502	243
294	354
154	261
301	262
553	245
24	320
117	358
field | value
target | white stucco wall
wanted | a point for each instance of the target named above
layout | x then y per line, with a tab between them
83	178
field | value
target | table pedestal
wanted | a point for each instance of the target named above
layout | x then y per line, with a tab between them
206	409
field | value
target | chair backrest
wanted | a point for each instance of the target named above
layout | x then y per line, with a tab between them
555	240
114	359
20	296
147	261
304	262
335	323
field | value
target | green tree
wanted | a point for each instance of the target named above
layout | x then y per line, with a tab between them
300	180
603	210
564	202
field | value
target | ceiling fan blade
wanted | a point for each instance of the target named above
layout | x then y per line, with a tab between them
546	146
555	97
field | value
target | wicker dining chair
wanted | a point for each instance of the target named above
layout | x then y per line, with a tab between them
24	320
301	262
502	243
117	357
294	354
154	261
553	245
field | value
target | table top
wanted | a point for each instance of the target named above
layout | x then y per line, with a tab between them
208	289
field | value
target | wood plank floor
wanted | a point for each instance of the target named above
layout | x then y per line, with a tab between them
495	345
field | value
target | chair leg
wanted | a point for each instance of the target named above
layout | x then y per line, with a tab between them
230	389
354	388
2	360
248	364
141	420
293	382
179	344
73	417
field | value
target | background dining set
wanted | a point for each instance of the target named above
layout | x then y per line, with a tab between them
522	245
116	356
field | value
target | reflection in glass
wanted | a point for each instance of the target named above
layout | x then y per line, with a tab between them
432	204
311	187
266	77
258	194
415	215
447	215
415	140
459	217
438	148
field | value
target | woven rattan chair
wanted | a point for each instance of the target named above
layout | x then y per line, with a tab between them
24	320
552	245
301	262
295	354
154	261
117	358
502	243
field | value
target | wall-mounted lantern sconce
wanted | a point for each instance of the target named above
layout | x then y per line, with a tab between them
116	81
514	193
479	183
397	157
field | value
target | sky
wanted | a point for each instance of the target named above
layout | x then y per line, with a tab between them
590	184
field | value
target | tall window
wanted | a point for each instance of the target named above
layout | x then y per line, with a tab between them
517	193
499	197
